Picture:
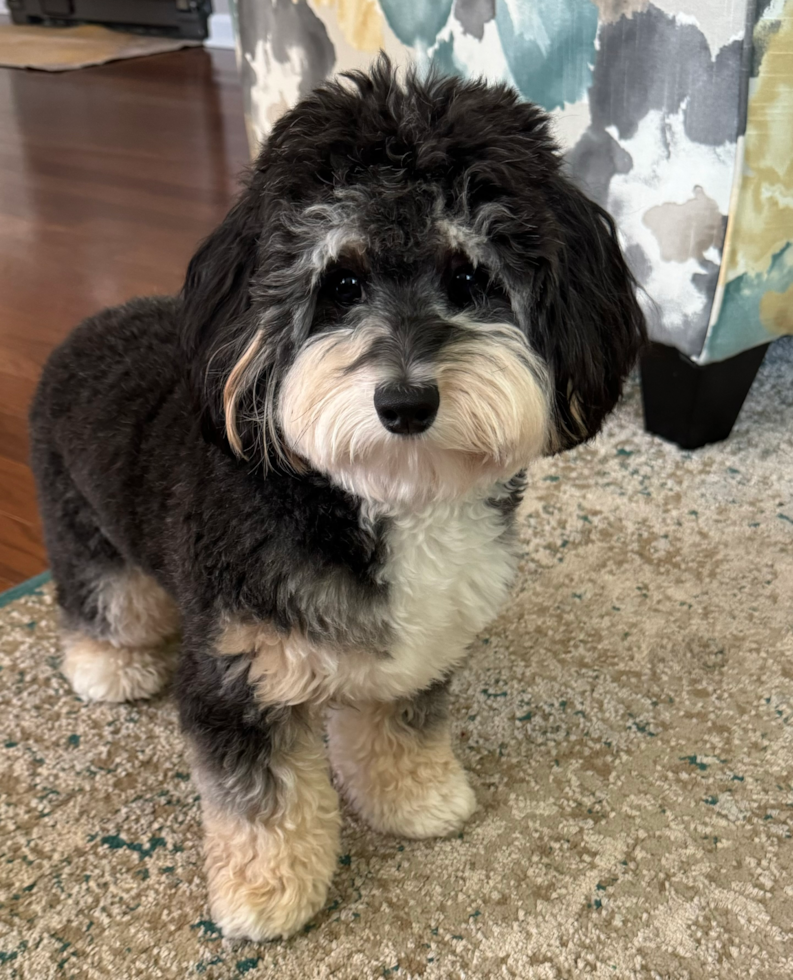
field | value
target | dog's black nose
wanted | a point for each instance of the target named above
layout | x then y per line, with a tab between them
407	409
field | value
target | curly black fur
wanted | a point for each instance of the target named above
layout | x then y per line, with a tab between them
130	438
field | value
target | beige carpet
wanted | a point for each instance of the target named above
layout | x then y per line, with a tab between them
627	723
65	48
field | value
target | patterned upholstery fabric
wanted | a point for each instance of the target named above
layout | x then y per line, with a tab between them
650	102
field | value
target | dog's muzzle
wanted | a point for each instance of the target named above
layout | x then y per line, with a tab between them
405	409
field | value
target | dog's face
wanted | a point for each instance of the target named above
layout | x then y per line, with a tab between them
409	296
415	379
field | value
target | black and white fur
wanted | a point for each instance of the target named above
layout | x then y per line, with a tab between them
308	462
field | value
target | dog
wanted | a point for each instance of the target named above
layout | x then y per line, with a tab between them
308	463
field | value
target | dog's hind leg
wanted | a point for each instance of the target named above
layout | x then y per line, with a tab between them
116	619
397	767
122	652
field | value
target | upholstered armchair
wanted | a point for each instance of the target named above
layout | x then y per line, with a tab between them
676	116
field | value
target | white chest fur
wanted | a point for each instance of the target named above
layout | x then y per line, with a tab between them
448	569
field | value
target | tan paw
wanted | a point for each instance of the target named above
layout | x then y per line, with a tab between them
99	671
418	810
271	910
266	881
400	783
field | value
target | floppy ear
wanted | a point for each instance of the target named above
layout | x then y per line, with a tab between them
216	293
591	327
216	304
216	290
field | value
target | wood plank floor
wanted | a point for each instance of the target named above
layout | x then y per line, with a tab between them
109	177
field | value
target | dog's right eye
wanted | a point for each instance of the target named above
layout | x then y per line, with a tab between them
467	285
344	287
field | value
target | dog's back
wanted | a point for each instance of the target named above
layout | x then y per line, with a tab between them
111	374
125	350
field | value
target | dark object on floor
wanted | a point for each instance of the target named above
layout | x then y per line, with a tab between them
172	18
692	404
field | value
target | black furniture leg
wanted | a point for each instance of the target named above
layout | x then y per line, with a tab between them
692	404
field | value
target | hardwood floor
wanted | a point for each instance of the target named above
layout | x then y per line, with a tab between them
109	177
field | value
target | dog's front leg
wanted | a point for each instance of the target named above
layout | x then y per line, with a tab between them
397	767
271	816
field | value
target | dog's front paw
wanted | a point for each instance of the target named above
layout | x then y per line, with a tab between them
410	807
272	909
399	781
267	881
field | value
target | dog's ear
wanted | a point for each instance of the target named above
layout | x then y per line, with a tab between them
216	304
590	325
217	287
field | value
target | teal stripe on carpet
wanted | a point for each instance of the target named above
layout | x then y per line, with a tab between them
30	587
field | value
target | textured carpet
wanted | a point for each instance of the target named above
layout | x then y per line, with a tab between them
627	723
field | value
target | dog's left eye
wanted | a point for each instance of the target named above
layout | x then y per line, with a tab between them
468	285
344	287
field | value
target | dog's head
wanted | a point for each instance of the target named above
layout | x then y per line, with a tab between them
409	296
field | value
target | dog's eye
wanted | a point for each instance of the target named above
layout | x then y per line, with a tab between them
468	285
344	287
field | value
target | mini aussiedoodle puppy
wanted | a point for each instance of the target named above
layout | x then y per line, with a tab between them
308	463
